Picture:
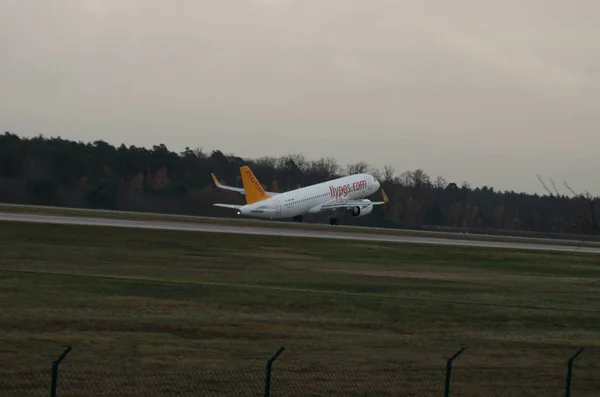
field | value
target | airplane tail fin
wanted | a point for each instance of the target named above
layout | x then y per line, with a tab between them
254	190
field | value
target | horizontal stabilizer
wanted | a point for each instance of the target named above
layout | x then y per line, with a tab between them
232	206
231	188
225	187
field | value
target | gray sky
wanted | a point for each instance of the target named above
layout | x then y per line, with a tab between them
489	92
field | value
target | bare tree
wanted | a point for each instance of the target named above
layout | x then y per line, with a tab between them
376	173
388	174
293	161
324	168
420	179
266	161
405	179
357	168
440	183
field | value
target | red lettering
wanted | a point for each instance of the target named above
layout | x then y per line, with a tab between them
255	182
344	190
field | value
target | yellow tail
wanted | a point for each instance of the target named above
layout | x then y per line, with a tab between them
252	187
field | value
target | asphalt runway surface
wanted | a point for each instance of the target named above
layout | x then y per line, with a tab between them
288	232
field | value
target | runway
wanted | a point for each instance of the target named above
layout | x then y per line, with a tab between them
288	232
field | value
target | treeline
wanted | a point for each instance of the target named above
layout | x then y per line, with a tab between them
54	171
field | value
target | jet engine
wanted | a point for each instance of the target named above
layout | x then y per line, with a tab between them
362	210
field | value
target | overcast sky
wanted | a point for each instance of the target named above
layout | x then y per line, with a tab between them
489	92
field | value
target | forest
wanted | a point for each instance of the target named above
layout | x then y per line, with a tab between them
58	172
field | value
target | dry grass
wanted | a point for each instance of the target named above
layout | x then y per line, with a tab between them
144	300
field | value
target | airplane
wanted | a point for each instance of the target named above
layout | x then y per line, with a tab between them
347	193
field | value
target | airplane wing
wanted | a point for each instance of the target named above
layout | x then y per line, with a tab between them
344	203
233	189
258	210
348	203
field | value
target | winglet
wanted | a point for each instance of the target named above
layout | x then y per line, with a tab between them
253	188
214	178
385	197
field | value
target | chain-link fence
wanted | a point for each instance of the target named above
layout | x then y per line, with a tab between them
281	380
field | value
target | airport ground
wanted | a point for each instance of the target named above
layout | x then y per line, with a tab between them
587	242
165	300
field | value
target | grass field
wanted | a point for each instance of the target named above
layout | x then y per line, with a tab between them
148	301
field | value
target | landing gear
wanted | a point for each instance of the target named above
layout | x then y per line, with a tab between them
298	218
334	221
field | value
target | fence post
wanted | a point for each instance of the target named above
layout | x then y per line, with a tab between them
269	368
570	372
55	365
449	370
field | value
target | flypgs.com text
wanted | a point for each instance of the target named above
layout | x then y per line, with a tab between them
344	190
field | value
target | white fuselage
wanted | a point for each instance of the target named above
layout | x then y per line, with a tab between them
309	199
